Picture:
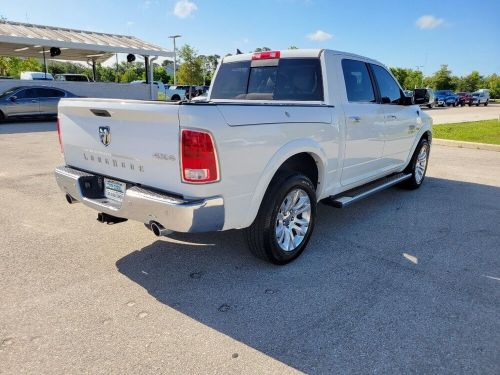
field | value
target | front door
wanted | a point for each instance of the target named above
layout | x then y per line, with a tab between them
23	103
401	122
48	99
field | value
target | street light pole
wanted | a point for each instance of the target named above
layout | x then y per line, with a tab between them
175	56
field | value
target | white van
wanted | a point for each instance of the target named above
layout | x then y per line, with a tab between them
481	96
37	76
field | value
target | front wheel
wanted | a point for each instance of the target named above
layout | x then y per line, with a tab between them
417	166
285	219
485	103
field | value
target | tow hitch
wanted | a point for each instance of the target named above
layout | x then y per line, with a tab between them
109	219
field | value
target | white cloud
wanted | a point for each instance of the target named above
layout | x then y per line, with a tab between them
184	8
319	36
429	22
130	23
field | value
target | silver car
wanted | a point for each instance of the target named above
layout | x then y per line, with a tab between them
31	101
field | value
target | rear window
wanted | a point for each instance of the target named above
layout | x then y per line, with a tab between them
291	79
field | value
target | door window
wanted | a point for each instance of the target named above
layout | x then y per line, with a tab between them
26	94
358	83
390	92
49	93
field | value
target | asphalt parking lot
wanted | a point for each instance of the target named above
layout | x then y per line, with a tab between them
402	282
445	115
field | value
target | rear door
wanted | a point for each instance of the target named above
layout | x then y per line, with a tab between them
364	127
400	120
48	99
25	103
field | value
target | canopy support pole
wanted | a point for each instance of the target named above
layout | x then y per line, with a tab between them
148	67
94	71
44	62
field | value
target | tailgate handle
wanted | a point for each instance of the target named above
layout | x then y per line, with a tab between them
100	112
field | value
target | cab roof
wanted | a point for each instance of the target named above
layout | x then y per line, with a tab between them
297	53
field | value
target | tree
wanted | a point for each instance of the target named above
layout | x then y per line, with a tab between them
472	82
191	69
129	76
160	74
262	49
442	79
493	84
408	78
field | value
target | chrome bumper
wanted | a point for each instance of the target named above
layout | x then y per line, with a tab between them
144	205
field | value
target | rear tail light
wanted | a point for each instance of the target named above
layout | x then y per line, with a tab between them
59	134
266	55
198	157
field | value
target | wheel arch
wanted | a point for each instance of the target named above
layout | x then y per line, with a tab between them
300	156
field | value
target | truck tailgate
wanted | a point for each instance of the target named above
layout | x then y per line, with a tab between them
127	140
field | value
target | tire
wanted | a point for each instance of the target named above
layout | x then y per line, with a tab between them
2	116
429	106
485	103
416	168
175	98
477	105
262	236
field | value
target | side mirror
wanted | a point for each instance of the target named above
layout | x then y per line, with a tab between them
13	98
407	100
386	100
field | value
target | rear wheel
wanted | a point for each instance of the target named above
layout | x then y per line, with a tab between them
417	166
285	220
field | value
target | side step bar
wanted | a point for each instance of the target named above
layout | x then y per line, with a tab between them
346	198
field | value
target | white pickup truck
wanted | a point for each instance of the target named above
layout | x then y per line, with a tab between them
280	131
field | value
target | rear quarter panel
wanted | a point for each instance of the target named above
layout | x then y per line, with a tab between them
251	150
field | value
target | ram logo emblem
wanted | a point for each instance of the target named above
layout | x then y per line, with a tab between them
105	135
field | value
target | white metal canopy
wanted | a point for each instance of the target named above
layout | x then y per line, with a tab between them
28	40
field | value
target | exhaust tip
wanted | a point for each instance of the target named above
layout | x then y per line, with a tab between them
156	229
70	199
159	230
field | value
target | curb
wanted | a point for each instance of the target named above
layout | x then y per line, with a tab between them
462	144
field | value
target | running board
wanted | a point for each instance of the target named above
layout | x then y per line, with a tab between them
346	198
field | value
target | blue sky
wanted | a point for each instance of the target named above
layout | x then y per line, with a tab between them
462	34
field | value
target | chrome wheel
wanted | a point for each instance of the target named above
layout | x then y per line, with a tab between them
421	163
293	219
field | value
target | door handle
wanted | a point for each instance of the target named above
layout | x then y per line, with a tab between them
33	100
355	118
391	117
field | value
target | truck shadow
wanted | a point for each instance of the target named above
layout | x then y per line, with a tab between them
372	281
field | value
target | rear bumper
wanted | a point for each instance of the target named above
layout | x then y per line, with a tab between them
144	205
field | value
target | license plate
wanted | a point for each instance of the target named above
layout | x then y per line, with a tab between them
114	190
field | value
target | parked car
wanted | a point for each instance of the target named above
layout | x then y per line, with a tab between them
72	77
176	93
36	76
465	98
446	98
481	97
335	127
31	101
424	97
201	97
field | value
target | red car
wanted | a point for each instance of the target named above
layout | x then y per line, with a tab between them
464	98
